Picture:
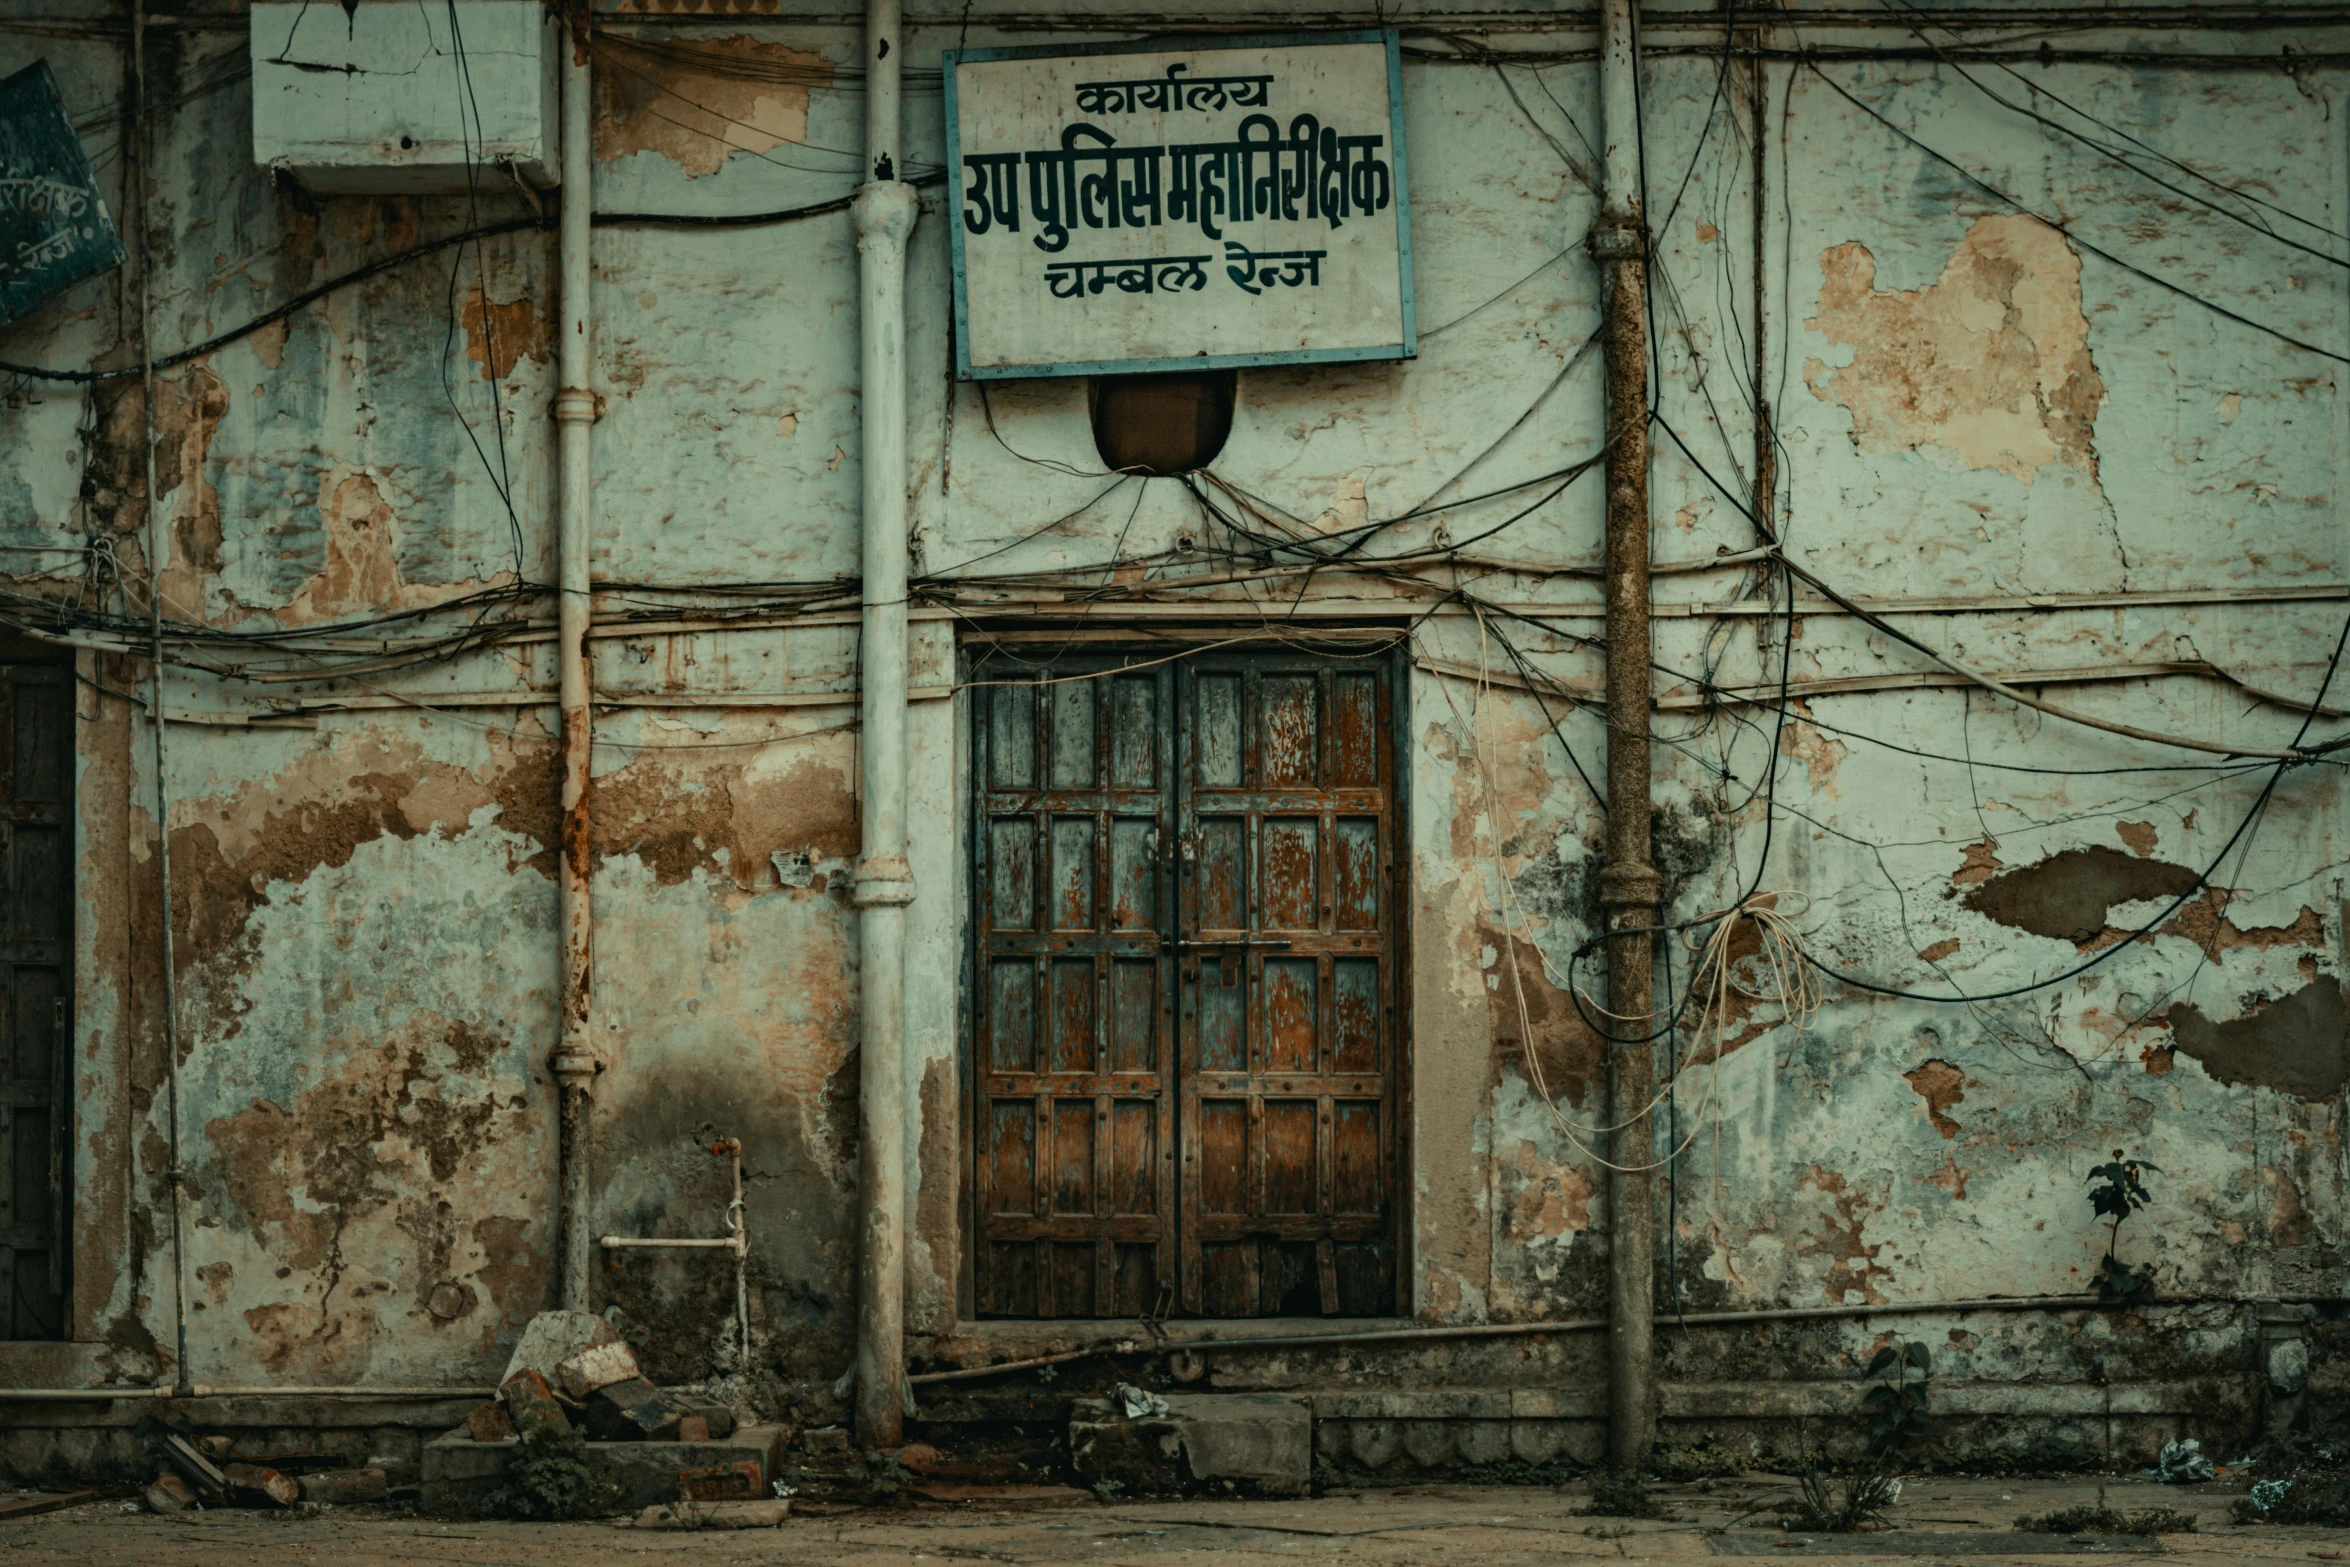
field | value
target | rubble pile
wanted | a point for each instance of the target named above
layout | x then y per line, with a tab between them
573	1369
195	1472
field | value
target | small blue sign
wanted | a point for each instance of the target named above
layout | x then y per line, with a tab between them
54	227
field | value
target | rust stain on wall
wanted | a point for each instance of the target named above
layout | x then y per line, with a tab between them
373	1144
1819	753
1940	1085
726	816
2204	921
1551	1199
698	101
2293	1045
1980	864
2138	835
1989	364
1571	1056
362	570
316	813
498	336
1853	1269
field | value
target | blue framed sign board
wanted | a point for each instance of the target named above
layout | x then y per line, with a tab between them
1179	205
54	227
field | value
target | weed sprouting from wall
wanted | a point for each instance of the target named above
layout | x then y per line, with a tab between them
2117	1190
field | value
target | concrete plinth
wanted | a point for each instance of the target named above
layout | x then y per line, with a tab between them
1243	1444
460	1474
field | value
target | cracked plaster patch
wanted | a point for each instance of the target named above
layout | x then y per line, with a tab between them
1989	365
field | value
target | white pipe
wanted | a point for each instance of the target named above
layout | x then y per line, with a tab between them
1619	100
736	1240
574	1060
885	211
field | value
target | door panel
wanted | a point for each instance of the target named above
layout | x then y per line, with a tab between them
1183	1042
36	927
1285	813
1075	1170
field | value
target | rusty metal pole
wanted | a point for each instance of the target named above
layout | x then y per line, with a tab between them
885	210
574	1061
1628	886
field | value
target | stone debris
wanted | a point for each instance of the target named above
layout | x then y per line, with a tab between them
737	1482
715	1515
490	1422
169	1494
254	1485
631	1411
598	1366
531	1403
342	1487
554	1337
826	1439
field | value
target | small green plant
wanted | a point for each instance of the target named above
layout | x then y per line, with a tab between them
2102	1519
1621	1493
1896	1404
1862	1505
548	1478
2117	1190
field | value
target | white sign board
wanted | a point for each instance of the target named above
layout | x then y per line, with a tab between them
1151	207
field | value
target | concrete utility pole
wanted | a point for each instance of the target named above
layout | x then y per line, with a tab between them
1628	887
885	210
574	1062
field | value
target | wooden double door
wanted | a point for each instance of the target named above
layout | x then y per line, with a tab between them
1187	1019
36	993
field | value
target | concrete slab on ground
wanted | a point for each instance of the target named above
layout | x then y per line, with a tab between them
460	1474
1243	1444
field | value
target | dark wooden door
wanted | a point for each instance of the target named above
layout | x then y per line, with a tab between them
1075	1188
1286	816
36	934
1185	1039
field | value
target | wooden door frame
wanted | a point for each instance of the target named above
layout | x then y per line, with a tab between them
64	1117
1152	647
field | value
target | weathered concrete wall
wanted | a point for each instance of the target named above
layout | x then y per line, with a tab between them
1970	410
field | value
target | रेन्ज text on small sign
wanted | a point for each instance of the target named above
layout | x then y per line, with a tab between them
1145	207
54	227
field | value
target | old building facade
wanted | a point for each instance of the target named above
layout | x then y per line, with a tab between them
1251	915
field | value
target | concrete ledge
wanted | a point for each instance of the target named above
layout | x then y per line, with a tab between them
460	1474
1246	1444
1767	1400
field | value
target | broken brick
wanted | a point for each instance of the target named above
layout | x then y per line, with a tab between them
598	1366
532	1403
722	1482
631	1411
490	1422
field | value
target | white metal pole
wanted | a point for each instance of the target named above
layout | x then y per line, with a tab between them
574	1061
885	211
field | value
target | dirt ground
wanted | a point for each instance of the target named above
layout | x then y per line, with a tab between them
1937	1520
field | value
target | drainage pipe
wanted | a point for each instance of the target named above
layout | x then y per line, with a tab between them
1166	1343
139	143
574	1060
884	885
1628	886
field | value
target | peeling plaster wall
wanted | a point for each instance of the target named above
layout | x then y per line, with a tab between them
1969	406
